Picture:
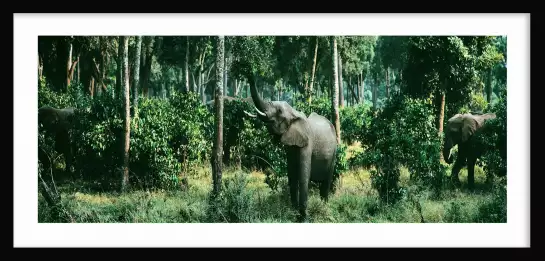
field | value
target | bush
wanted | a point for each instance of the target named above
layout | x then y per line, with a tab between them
403	133
494	138
354	121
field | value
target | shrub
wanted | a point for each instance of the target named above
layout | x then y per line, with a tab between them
403	133
494	138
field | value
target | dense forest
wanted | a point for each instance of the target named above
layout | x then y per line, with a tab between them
222	128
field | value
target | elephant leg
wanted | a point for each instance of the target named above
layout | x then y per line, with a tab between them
293	183
303	198
302	167
294	190
458	165
326	185
471	173
304	177
324	189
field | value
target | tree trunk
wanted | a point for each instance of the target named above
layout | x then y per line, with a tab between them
78	71
71	71
489	85
40	66
441	118
353	90
218	144
341	89
335	90
186	64
127	118
103	63
375	86
69	65
136	80
387	82
313	71
145	65
362	88
358	94
119	78
92	87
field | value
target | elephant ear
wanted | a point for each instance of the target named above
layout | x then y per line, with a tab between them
298	132
469	127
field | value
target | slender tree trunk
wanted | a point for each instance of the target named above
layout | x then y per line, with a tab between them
387	82
127	121
68	65
362	88
40	66
374	90
354	92
145	66
489	85
218	144
78	71
335	90
225	76
400	73
441	117
120	73
92	87
341	89
313	75
137	75
186	64
71	71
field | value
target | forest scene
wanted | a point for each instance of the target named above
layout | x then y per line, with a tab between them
272	129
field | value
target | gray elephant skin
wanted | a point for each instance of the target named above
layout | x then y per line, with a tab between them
57	123
462	130
310	142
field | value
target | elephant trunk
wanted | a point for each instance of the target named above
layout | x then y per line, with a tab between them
446	154
261	105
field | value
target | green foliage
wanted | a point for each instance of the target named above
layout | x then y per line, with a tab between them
257	149
495	211
245	199
445	64
98	133
319	105
477	104
167	134
253	57
494	138
354	121
403	134
47	96
341	164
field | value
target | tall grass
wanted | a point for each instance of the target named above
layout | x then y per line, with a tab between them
246	198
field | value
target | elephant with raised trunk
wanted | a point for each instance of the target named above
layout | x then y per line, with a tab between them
310	143
57	123
462	130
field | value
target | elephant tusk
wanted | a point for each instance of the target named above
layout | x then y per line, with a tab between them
251	115
260	113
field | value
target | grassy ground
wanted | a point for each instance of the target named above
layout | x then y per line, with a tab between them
248	199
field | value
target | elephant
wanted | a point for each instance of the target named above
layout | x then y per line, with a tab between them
310	143
58	123
462	130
